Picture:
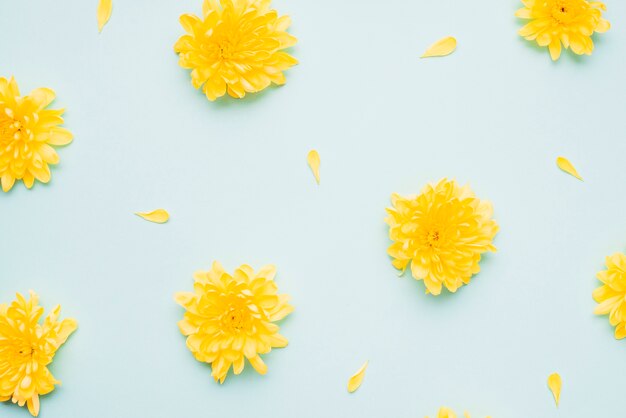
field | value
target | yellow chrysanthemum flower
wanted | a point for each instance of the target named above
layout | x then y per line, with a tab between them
231	318
567	22
236	47
611	296
27	348
442	233
27	133
449	413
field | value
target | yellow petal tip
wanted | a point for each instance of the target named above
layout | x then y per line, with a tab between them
105	7
159	216
441	48
356	379
565	165
313	159
555	384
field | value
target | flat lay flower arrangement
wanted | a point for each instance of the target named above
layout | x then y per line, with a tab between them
233	319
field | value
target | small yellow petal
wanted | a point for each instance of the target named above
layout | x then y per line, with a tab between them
441	48
356	379
554	383
159	216
313	158
564	164
105	7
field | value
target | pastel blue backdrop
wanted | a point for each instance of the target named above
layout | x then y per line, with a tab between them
233	175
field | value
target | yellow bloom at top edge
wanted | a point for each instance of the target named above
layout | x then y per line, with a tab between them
449	413
611	296
566	23
27	348
235	47
230	318
28	132
441	233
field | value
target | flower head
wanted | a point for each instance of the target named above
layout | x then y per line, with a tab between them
27	348
442	233
27	133
236	47
449	413
231	318
567	22
611	296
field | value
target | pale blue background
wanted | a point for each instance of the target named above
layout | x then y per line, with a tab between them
234	177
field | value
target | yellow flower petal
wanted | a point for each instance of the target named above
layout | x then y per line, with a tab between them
564	164
313	159
105	7
159	216
441	48
554	383
356	379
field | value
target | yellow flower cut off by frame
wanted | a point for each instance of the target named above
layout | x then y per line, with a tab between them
611	296
230	318
449	413
28	133
27	348
563	23
236	47
442	233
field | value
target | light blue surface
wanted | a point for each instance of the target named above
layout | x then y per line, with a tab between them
234	177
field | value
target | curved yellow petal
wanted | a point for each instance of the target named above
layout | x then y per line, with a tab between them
564	164
313	159
441	48
159	216
555	384
356	379
105	7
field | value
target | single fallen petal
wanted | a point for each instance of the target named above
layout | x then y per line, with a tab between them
356	379
554	383
105	7
441	48
313	158
159	216
564	164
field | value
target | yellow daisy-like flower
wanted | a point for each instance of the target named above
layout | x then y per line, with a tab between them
611	296
236	47
27	133
231	318
27	348
563	22
442	233
449	413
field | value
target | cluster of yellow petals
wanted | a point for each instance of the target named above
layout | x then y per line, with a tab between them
569	23
442	232
236	47
27	348
231	318
611	296
27	133
449	413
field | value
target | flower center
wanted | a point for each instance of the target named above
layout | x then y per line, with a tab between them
433	238
235	319
562	11
225	49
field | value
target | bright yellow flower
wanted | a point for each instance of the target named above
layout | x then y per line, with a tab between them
611	296
27	348
442	233
449	413
236	47
567	22
231	318
27	131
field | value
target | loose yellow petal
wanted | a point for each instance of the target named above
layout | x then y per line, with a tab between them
105	7
564	164
554	383
441	48
314	162
159	216
355	381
